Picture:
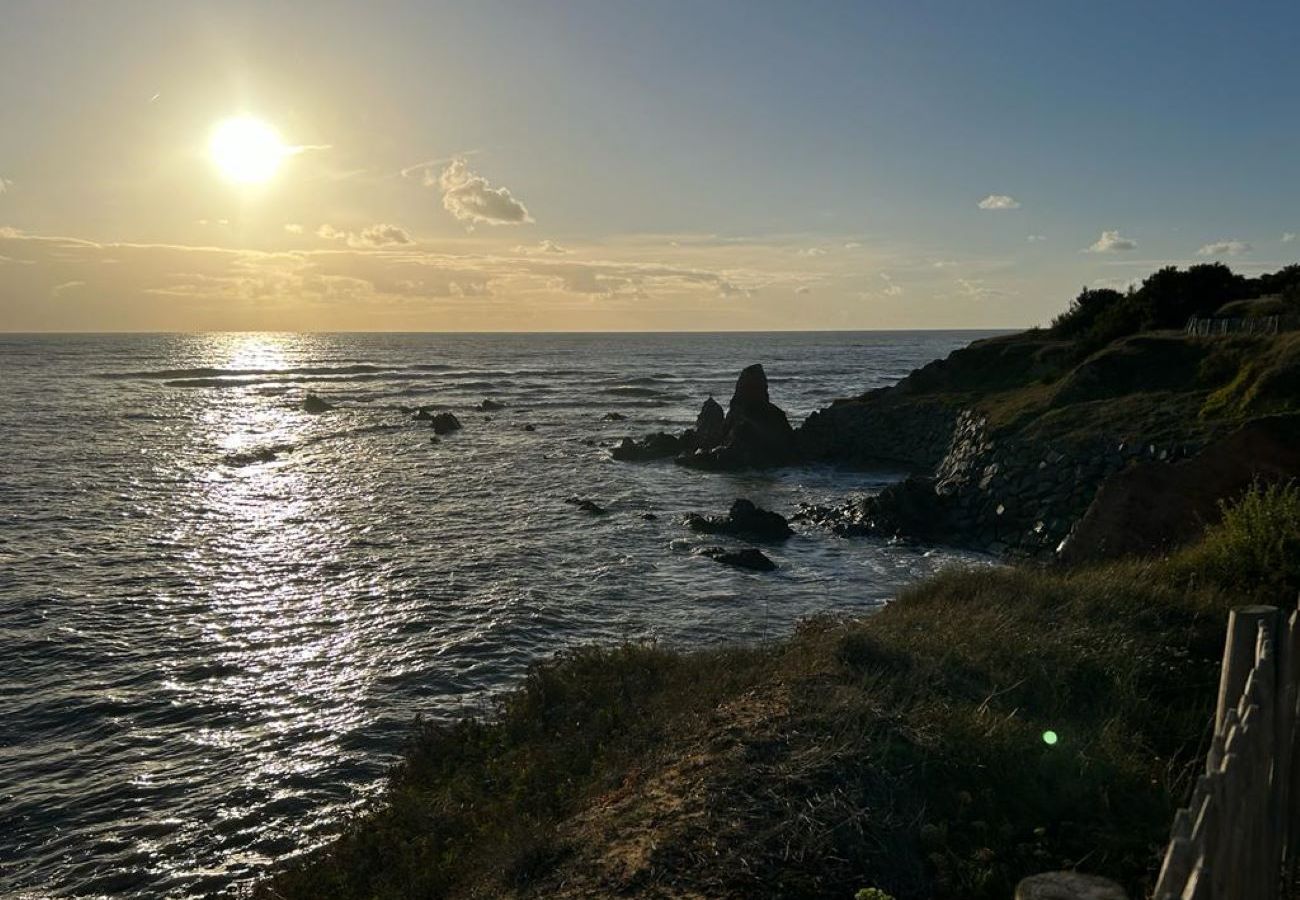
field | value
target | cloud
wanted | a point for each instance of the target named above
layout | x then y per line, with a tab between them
1289	237
1036	238
1110	242
336	286
5	184
470	198
976	289
1224	248
999	201
803	289
811	251
546	246
372	236
293	228
380	235
852	245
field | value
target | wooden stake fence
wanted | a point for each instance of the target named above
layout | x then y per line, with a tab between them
1239	838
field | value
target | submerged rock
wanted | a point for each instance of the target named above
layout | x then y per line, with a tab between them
743	519
444	423
613	417
315	405
491	406
749	558
587	506
530	427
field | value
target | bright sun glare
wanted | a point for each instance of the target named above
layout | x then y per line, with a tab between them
246	150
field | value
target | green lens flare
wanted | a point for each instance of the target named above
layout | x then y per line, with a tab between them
1050	738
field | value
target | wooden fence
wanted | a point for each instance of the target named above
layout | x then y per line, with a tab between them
1221	325
1239	837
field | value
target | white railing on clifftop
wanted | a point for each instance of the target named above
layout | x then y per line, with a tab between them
1215	326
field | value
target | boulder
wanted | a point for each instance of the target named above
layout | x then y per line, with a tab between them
315	405
1068	886
1151	508
613	417
744	519
656	446
749	558
491	406
444	423
530	427
755	432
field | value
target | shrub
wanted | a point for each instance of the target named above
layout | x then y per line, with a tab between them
1257	545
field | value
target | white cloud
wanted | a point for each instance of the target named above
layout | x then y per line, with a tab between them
5	184
545	246
894	290
976	289
1224	248
1036	238
1110	242
470	198
852	245
293	228
1289	237
999	201
803	289
811	251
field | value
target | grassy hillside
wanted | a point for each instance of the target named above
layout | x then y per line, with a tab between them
988	724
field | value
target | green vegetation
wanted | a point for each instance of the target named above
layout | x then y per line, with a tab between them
909	751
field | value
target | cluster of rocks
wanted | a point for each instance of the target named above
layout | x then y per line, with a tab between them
753	433
744	519
1008	496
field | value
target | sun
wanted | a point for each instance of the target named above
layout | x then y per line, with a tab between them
247	150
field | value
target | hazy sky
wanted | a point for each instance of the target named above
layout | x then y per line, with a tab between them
613	165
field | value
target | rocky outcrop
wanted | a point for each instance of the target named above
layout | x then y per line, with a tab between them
710	425
444	423
1150	509
755	432
491	406
874	429
587	506
744	519
659	445
749	558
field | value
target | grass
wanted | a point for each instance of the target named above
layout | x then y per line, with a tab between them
903	753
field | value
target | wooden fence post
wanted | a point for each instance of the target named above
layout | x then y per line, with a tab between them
1239	653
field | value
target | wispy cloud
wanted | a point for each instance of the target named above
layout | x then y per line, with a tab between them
471	198
1224	248
1036	238
999	202
1289	237
372	236
5	184
1111	242
293	228
544	246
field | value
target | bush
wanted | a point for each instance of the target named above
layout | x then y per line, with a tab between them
1257	545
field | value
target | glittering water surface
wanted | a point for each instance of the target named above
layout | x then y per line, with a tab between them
219	614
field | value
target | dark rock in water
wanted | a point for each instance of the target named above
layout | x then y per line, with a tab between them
743	519
613	417
749	558
491	406
252	457
755	434
435	440
530	427
315	405
444	423
588	506
655	446
1154	507
710	425
650	517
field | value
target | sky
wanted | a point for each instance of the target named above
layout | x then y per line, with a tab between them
609	165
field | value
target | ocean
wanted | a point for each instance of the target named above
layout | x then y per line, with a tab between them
220	615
